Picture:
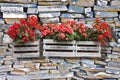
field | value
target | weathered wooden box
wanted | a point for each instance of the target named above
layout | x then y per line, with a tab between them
71	49
26	50
88	49
58	49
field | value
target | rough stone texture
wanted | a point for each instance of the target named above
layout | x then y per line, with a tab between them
106	14
106	67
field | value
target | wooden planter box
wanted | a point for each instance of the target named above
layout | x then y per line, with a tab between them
27	50
71	49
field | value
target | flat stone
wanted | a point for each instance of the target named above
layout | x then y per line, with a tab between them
49	64
47	67
65	19
11	9
2	21
117	49
1	34
69	15
51	3
113	64
48	14
5	68
54	71
100	62
107	8
115	60
39	72
87	62
85	3
89	15
57	60
52	8
49	76
2	50
106	14
73	60
112	56
14	15
49	0
112	71
58	79
40	61
50	20
115	3
87	10
17	1
32	10
18	5
75	9
102	2
11	20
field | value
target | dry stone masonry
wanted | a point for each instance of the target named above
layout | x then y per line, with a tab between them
106	67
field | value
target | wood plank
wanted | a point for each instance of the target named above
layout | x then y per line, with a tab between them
58	47
59	54
86	54
26	48
26	55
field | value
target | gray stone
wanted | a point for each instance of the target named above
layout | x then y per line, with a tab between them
17	1
84	3
113	64
11	9
14	15
48	14
49	76
2	21
75	9
48	67
89	15
18	5
107	8
50	20
49	0
87	10
52	8
32	10
106	14
57	60
102	2
51	3
69	15
112	71
112	56
115	3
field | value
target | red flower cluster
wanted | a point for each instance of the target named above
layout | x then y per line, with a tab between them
24	30
71	30
103	29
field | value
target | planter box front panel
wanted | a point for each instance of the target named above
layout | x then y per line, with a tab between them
71	49
27	50
88	49
59	49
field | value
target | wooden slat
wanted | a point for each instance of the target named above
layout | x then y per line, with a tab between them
59	54
26	48
86	54
58	47
26	55
29	43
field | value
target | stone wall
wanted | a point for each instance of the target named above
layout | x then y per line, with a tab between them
56	11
